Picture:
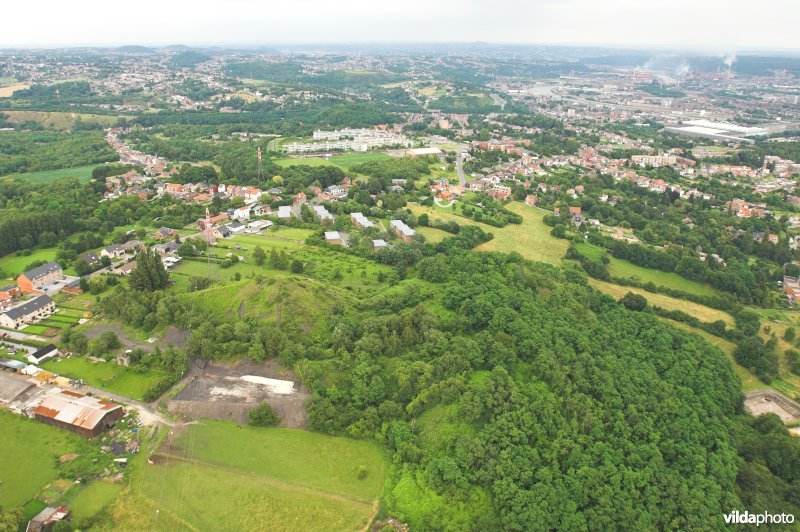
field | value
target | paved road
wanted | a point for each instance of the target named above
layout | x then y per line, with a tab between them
460	169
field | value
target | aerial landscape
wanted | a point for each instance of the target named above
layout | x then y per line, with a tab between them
359	279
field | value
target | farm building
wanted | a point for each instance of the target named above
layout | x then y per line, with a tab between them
8	364
379	244
47	352
28	312
36	278
12	389
84	415
47	518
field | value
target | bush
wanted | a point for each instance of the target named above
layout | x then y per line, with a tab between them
634	301
263	416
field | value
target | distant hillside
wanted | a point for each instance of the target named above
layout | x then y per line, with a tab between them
135	49
188	59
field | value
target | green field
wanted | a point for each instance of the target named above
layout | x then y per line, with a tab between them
280	479
701	312
531	239
107	375
13	265
432	234
28	459
624	269
82	173
93	498
59	119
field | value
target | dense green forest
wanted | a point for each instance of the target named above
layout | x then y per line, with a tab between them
512	396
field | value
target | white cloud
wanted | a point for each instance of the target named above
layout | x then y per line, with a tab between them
713	24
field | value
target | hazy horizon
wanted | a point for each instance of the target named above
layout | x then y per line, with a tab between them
714	26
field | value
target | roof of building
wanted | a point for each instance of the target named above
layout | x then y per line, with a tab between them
114	248
90	257
11	363
29	307
41	271
379	243
43	352
9	288
361	219
11	388
401	226
332	235
75	409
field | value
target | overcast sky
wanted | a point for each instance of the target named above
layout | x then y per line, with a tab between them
713	25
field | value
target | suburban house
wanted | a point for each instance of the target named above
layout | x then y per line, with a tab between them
299	198
35	279
242	213
27	313
44	353
78	413
114	251
402	230
221	232
90	257
361	221
164	232
532	200
167	248
8	292
125	269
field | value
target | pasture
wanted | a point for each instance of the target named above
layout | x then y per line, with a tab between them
30	450
281	479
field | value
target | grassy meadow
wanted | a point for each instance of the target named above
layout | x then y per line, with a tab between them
107	375
281	479
30	450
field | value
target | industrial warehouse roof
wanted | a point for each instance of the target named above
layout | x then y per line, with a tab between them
75	409
11	388
41	271
28	307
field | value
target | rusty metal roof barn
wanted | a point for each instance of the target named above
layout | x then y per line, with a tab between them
82	414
